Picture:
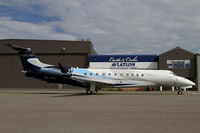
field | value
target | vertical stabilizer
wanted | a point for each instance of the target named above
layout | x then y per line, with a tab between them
28	58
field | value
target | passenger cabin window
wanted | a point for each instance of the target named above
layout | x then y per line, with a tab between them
121	74
115	74
103	74
85	73
97	74
109	74
90	74
132	74
142	75
137	74
127	74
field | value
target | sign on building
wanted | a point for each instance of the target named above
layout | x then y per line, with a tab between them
124	61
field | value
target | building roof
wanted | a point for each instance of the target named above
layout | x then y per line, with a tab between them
176	49
48	46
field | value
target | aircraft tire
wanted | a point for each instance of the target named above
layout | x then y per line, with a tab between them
180	93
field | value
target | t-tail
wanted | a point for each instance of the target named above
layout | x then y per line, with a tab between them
32	67
28	59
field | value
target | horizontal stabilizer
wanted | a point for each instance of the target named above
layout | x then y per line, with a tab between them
18	48
62	68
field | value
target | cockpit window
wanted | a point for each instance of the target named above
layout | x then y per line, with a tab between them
172	73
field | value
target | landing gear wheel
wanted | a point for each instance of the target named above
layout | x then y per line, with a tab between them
88	91
180	92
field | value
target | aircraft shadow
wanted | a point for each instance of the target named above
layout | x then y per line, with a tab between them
73	94
116	93
77	94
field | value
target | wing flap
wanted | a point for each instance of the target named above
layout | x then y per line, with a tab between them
97	80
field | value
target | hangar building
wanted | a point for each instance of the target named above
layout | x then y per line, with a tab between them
181	62
68	53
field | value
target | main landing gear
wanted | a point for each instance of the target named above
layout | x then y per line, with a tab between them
92	89
88	91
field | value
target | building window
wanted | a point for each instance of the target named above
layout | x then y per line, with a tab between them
187	64
178	64
169	64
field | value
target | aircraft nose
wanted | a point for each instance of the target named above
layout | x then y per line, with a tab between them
190	83
185	81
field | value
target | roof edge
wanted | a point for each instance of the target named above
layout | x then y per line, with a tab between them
175	49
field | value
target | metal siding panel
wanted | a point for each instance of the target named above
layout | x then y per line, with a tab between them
6	71
75	60
49	46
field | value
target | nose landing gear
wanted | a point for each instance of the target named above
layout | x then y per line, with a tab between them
180	92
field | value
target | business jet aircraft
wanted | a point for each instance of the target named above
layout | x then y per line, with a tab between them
95	79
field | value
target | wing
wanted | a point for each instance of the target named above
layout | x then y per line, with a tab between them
87	77
112	82
99	81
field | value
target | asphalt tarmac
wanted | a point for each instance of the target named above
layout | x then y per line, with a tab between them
71	111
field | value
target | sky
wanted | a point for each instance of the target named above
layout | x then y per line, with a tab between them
113	26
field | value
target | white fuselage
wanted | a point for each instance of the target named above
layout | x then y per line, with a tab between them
130	77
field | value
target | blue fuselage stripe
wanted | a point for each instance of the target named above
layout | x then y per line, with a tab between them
81	71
